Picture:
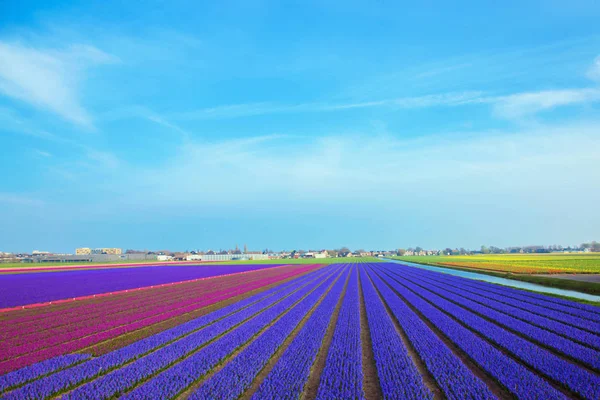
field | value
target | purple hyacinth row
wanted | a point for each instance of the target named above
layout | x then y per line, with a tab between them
42	368
180	376
568	331
559	316
571	307
567	347
515	377
291	372
68	378
520	300
451	375
399	377
342	377
237	375
541	303
575	378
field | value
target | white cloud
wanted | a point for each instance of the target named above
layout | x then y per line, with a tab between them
523	104
49	79
594	71
266	108
273	171
511	106
42	153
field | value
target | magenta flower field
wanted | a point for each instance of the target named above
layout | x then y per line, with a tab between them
22	289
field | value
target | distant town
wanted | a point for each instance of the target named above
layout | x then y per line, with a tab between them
108	254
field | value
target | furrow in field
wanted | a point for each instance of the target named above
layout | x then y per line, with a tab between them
371	384
342	377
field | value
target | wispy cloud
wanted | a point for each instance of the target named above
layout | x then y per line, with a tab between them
365	168
511	106
42	153
523	104
251	109
49	78
160	120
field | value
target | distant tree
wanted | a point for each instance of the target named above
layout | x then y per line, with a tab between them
418	249
485	250
332	253
345	250
447	251
593	246
400	252
131	251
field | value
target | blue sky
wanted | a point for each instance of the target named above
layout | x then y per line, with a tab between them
183	124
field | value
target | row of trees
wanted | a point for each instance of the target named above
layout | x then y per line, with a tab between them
593	246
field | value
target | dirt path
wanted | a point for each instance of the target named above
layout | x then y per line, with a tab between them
371	384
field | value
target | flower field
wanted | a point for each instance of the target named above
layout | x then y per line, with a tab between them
27	288
338	331
518	263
